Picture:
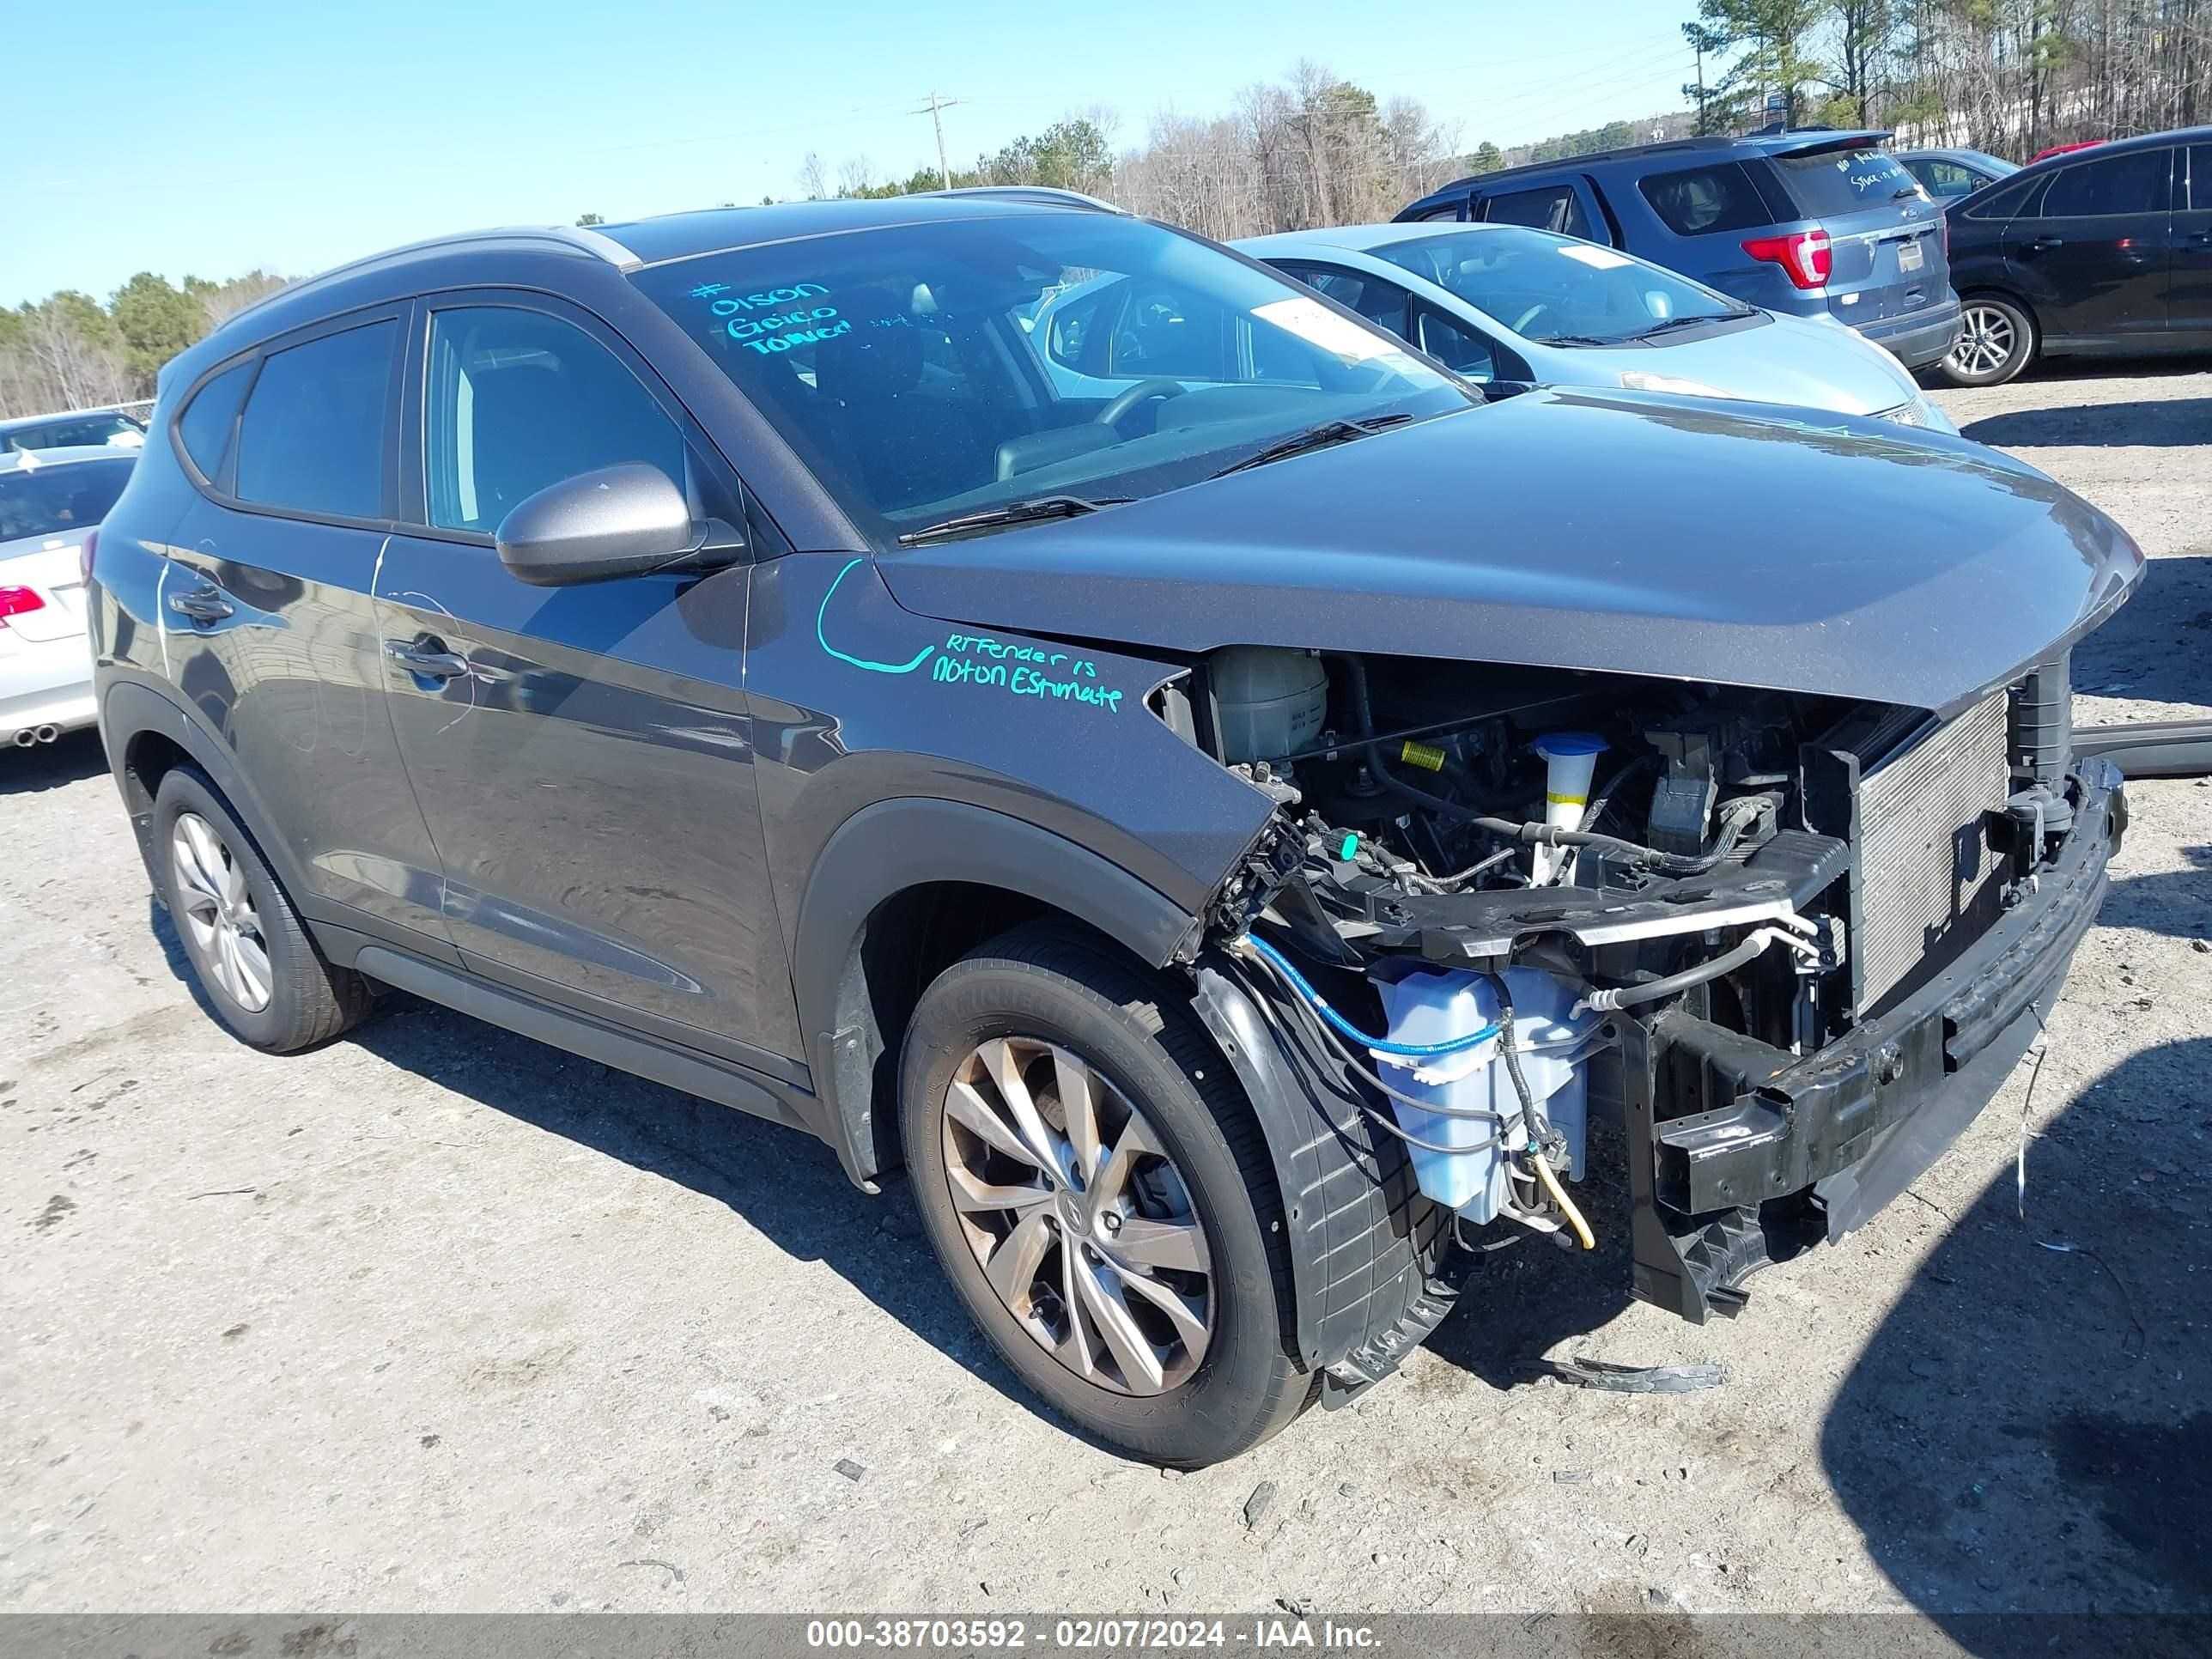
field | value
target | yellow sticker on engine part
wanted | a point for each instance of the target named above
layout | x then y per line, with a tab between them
1421	755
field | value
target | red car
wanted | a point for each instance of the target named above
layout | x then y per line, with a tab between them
2063	149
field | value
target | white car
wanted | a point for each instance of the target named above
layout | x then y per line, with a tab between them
1503	302
50	500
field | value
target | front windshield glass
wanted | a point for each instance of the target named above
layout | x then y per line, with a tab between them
61	498
1547	288
930	370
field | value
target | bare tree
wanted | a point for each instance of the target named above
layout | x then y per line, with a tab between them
856	175
814	176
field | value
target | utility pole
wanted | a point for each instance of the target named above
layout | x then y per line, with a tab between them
931	109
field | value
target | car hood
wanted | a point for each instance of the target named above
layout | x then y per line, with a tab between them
1790	361
1619	532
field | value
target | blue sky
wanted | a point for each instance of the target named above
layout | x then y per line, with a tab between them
290	136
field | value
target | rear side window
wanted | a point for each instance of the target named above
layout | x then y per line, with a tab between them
2200	178
59	500
1705	201
1839	181
1552	207
205	425
312	436
519	400
2134	182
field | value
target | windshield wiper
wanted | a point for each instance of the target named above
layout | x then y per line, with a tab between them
1315	437
1579	340
1029	511
1673	323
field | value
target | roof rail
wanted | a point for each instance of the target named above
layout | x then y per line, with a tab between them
581	238
1049	195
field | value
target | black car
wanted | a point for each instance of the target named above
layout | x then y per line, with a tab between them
1224	836
2105	251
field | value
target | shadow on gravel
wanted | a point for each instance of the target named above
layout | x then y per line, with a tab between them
2158	646
2029	1429
2171	422
71	759
786	1185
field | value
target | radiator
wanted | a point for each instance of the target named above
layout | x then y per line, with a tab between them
1927	875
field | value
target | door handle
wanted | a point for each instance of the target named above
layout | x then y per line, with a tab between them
203	603
2201	238
2048	241
426	655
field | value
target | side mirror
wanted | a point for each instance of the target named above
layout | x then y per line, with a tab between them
622	520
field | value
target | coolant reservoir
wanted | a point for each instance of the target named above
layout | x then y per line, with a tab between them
1272	702
1552	1042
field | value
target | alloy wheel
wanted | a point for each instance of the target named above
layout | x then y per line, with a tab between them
218	914
1078	1216
1987	339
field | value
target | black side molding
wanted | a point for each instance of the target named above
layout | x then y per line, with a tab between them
692	1073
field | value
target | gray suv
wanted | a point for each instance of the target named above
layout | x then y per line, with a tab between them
1811	223
1226	834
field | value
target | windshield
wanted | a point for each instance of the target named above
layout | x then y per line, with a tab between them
1547	288
1837	182
60	498
932	370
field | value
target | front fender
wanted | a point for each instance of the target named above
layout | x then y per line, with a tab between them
894	845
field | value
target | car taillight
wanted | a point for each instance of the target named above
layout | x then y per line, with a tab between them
14	601
1805	256
84	553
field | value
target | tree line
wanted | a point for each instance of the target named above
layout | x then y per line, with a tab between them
70	351
2010	77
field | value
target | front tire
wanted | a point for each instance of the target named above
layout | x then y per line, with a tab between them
1101	1196
250	952
1997	340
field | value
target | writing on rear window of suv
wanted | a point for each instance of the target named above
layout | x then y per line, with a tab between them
1837	182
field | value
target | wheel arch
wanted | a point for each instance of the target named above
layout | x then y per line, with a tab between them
901	889
147	735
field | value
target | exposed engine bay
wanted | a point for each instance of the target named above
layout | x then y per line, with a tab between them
1478	878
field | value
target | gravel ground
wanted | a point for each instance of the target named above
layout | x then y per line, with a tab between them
440	1319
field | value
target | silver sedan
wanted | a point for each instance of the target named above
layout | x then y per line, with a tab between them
1502	302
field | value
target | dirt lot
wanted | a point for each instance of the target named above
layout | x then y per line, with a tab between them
438	1318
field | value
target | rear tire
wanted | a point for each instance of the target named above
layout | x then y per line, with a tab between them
1023	1202
1997	340
250	952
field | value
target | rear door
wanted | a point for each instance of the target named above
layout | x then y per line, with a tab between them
2189	289
1563	205
1884	237
2093	251
583	754
267	621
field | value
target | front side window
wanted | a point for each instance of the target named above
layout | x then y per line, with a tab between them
2200	178
2003	204
928	370
1549	288
1455	345
1944	180
59	499
1381	303
1705	201
517	400
2133	183
1830	182
1552	207
312	439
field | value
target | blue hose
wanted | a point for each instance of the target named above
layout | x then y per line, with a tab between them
1337	1022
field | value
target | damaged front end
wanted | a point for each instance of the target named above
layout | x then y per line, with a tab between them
1792	943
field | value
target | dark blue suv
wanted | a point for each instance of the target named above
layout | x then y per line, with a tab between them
1814	223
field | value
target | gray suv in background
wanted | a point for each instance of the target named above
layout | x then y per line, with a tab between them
1811	223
